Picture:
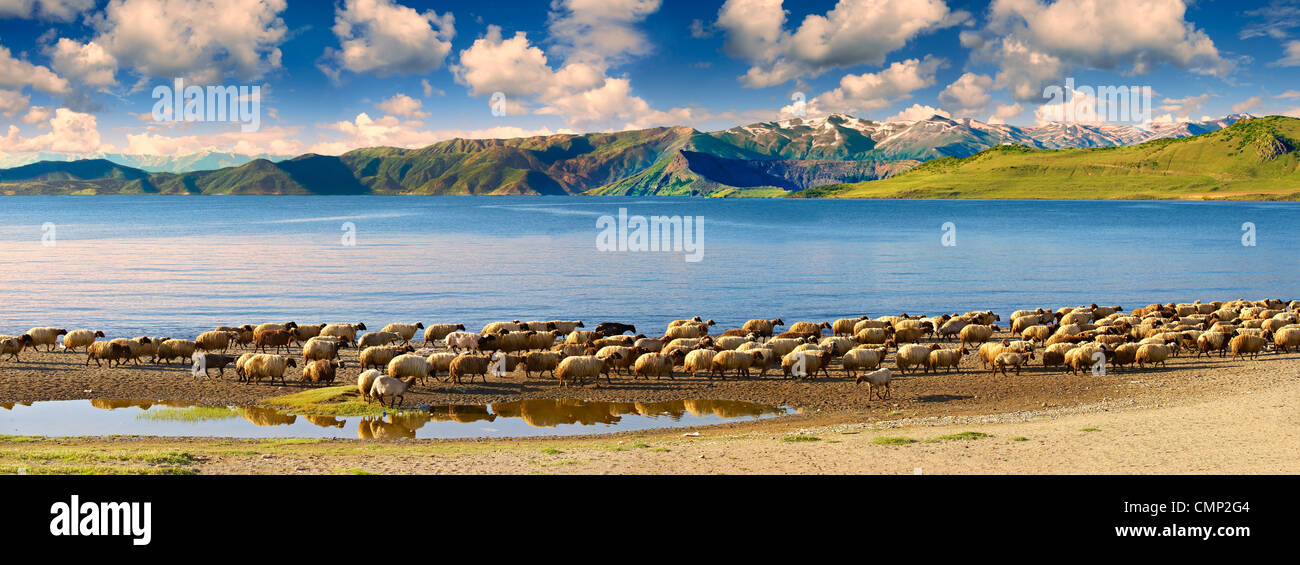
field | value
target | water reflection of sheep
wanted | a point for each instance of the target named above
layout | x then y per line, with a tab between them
325	421
375	428
727	408
551	413
673	409
266	416
117	403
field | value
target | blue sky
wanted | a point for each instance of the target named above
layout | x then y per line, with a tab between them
77	75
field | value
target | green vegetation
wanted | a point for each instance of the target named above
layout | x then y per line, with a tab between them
191	414
339	401
960	436
1090	430
1020	438
1254	159
800	438
886	440
551	451
355	471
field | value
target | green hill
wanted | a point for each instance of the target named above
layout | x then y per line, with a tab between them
1254	159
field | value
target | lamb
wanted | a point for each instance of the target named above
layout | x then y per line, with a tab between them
541	361
467	341
215	341
566	327
80	338
1011	359
615	328
814	328
1248	344
104	351
345	331
805	364
174	349
862	359
321	371
468	366
738	361
391	388
912	356
763	328
263	366
1283	340
410	365
380	356
441	363
699	360
844	326
12	346
439	332
947	359
364	382
210	361
49	337
1153	353
405	331
976	334
272	338
654	364
874	379
580	369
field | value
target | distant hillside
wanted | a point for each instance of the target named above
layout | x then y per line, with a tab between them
1254	159
203	161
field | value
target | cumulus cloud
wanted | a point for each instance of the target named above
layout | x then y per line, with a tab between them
1036	43
88	63
1075	107
873	91
200	40
854	32
16	74
1185	106
56	10
267	140
917	112
12	102
1247	104
386	38
1006	112
404	106
600	30
70	132
37	115
969	94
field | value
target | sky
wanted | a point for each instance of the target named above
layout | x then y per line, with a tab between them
79	76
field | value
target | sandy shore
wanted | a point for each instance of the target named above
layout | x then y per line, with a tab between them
1196	416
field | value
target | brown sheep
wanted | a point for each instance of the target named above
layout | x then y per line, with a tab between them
273	338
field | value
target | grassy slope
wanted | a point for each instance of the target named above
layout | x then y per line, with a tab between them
1254	159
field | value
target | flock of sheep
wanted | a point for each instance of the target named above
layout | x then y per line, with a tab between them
1076	339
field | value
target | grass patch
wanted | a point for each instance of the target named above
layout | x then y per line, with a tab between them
800	438
659	449
886	440
1090	430
19	439
551	451
1020	438
960	436
191	414
340	401
292	441
74	456
355	471
95	470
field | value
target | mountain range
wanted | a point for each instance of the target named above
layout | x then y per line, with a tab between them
202	161
797	156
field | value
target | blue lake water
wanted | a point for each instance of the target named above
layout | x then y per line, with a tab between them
177	265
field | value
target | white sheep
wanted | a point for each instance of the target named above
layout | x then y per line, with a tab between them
406	331
49	337
874	379
364	382
386	387
80	339
579	369
862	359
265	366
912	356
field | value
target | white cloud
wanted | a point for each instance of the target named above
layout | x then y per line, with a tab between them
1289	94
70	132
854	32
1185	106
404	106
268	140
1076	107
873	91
38	115
917	112
1037	43
57	10
969	94
386	38
16	74
1246	105
600	30
88	63
1291	57
391	131
200	40
429	89
1006	112
701	29
12	102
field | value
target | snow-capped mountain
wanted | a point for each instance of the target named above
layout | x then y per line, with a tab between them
841	137
203	161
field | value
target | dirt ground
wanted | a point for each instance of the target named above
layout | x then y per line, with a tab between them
1196	416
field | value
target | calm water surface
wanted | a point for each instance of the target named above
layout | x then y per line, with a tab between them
178	265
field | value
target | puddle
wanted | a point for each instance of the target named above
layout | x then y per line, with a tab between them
505	419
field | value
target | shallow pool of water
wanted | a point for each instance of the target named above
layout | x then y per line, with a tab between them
560	417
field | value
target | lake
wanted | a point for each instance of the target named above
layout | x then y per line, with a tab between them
175	266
